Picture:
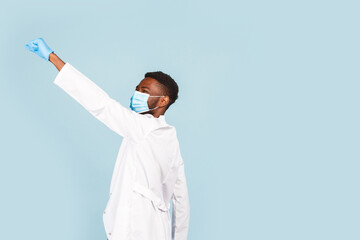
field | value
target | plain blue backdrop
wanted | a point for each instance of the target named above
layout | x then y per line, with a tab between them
267	115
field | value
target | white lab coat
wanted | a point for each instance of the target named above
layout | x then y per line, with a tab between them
149	170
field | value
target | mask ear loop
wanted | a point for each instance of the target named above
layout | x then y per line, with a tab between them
149	109
154	108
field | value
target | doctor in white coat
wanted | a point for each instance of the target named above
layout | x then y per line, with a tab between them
149	170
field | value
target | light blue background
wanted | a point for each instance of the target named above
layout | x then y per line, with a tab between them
267	115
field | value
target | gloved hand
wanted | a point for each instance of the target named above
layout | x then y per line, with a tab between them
39	47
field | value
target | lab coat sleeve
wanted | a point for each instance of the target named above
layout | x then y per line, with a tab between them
121	120
181	207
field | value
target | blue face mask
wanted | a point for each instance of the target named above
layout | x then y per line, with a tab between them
138	102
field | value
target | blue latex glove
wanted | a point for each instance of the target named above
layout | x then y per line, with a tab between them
39	47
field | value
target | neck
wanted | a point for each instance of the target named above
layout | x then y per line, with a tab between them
155	113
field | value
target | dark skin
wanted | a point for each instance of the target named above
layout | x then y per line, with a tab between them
147	85
152	86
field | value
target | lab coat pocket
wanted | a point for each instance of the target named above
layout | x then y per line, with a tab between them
142	219
157	210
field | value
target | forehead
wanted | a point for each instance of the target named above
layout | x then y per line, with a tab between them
149	83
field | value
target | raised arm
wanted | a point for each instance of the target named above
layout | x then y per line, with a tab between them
118	118
97	102
54	59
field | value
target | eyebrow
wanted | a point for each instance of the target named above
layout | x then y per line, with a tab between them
144	87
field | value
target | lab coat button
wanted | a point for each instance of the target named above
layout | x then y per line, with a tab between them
109	233
104	212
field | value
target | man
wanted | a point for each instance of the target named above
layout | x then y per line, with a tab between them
149	170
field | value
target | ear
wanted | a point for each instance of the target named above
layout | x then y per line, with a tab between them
165	100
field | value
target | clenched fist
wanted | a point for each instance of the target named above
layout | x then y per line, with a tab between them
39	47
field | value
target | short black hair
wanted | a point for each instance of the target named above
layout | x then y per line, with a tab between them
169	86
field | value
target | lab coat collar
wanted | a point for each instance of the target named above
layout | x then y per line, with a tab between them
161	117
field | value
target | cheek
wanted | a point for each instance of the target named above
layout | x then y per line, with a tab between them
151	102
